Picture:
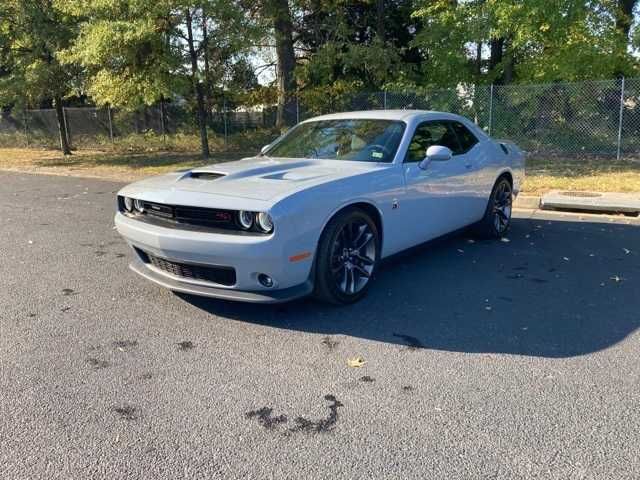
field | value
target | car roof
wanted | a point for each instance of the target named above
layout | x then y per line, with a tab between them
407	116
404	115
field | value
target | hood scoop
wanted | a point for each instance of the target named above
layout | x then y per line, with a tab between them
203	175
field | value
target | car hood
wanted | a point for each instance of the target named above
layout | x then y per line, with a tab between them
258	178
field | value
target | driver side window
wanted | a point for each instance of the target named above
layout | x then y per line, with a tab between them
428	134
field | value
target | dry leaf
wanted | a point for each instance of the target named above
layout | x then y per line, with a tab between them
505	240
356	362
626	251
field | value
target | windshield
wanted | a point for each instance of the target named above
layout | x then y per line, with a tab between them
362	140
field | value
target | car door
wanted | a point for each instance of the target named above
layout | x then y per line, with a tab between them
436	200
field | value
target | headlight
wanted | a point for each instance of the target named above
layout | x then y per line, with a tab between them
139	205
265	222
128	204
245	219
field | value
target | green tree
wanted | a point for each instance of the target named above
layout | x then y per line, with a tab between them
137	52
532	41
349	46
33	33
124	47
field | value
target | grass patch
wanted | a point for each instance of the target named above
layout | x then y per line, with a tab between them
145	156
110	165
135	156
597	174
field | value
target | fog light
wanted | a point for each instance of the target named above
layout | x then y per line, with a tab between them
265	280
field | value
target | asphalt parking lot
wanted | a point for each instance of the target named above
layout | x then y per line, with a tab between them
504	360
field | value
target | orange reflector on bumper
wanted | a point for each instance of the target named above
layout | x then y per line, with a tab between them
299	256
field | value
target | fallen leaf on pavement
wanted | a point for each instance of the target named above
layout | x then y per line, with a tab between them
505	240
626	251
566	259
616	278
356	362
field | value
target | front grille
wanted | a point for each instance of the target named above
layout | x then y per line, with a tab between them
206	217
183	217
214	274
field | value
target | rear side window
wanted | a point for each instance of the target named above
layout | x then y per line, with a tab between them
428	134
466	139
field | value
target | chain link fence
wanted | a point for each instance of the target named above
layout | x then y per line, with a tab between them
593	118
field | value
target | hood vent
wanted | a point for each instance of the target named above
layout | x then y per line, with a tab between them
205	175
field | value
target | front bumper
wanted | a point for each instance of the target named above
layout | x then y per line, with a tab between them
248	255
266	296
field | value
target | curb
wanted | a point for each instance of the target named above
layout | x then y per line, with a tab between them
527	201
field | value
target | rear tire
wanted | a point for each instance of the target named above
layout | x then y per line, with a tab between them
497	217
348	254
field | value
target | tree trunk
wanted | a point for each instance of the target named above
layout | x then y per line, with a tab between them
62	127
380	19
624	17
283	27
478	64
624	20
501	57
205	55
202	116
495	58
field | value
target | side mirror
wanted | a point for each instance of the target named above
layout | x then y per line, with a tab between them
264	149
435	153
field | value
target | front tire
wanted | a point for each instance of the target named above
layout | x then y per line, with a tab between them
348	254
497	217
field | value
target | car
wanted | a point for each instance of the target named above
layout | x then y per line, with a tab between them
317	209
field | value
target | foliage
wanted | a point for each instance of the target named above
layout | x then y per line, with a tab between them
129	53
124	48
543	40
32	32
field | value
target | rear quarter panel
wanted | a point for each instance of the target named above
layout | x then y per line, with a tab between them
516	162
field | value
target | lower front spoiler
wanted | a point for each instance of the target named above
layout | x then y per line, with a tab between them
275	296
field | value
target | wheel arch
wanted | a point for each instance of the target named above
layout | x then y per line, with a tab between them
369	208
505	174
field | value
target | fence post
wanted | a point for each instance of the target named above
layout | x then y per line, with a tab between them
619	149
385	99
110	123
224	117
162	125
491	109
26	128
